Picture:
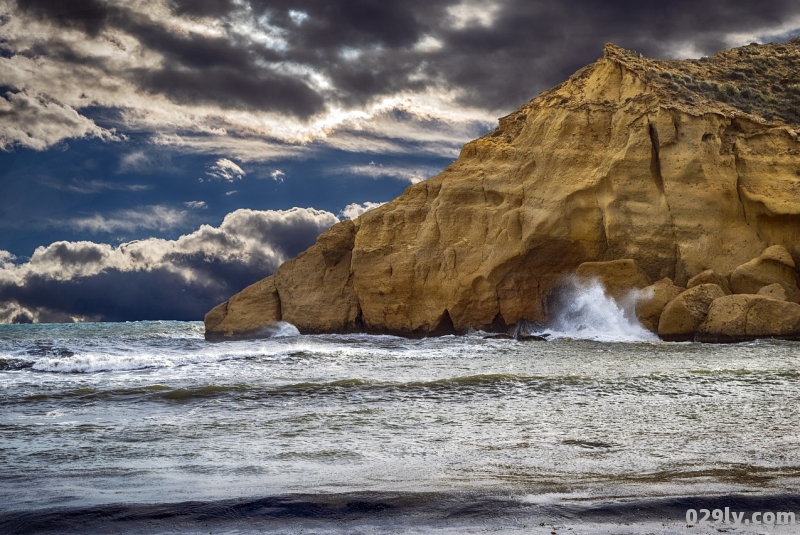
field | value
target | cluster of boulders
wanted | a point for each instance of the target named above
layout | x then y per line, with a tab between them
759	299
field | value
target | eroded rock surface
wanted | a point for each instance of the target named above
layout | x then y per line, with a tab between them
631	158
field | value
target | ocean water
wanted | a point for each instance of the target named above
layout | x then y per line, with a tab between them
146	427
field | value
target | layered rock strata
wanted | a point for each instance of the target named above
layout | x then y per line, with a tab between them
656	162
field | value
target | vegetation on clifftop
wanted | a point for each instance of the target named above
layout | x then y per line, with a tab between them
762	80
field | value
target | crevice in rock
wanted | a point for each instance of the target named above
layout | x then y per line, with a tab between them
498	324
658	178
605	233
674	117
435	214
445	325
655	158
280	303
358	322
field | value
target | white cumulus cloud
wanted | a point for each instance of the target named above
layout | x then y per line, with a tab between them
354	210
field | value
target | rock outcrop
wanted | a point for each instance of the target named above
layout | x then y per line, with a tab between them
680	166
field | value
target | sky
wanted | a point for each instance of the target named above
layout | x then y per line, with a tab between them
157	156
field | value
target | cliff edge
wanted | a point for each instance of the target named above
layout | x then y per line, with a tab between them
680	166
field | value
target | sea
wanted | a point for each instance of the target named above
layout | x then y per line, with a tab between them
145	427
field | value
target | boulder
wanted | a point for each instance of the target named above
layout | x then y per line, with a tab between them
709	276
736	318
619	277
650	302
773	265
775	291
684	314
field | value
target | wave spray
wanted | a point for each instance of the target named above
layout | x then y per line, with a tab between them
585	311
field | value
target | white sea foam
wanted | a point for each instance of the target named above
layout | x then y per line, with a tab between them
92	363
586	312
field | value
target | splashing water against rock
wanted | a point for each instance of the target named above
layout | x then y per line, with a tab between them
585	311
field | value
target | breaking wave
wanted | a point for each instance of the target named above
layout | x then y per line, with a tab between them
281	329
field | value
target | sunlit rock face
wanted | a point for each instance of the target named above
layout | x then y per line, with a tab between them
625	160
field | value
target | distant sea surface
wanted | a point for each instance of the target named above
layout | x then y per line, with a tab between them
147	428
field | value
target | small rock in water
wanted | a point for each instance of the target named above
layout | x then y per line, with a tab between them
523	337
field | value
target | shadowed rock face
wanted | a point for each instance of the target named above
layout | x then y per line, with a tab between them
618	162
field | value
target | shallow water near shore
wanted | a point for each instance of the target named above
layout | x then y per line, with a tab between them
127	426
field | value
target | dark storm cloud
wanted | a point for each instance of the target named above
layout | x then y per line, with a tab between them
229	73
198	69
111	296
234	89
88	15
355	23
155	278
203	8
66	255
307	58
500	58
534	45
503	55
116	295
522	47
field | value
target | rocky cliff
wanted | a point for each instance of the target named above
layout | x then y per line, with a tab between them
680	166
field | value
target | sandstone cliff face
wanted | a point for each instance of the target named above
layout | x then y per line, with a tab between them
618	162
